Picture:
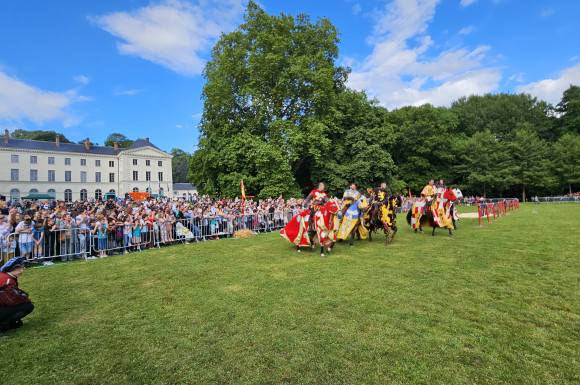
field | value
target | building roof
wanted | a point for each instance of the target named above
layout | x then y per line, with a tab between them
183	186
143	143
28	144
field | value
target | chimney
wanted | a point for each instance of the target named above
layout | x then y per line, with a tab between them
147	140
57	140
116	145
87	144
6	136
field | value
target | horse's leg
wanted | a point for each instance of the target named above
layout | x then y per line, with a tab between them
450	232
433	232
298	249
321	251
370	234
351	238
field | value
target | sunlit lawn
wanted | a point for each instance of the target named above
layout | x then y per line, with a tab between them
498	304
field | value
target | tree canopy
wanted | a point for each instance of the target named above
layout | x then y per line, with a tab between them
121	140
42	135
278	115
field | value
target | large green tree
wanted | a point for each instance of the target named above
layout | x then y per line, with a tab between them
569	108
566	156
180	165
425	143
362	139
483	164
42	135
120	139
501	114
530	162
270	87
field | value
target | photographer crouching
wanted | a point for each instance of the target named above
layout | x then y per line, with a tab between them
14	303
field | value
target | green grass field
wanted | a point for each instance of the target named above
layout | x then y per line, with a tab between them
498	304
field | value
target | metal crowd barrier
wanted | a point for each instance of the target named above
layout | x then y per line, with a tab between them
83	243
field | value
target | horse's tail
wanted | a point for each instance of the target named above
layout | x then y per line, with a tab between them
409	215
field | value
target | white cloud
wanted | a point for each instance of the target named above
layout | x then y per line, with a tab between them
399	70
551	90
129	92
517	77
82	79
356	9
466	30
20	101
175	34
546	12
467	3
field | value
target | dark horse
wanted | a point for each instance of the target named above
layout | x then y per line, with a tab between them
377	218
428	220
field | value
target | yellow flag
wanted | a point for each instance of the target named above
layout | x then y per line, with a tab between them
243	189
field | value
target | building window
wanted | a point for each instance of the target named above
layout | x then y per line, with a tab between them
84	195
135	189
14	176
112	190
51	160
52	192
83	177
111	163
67	161
83	162
97	163
160	175
33	191
33	159
14	158
98	194
135	175
67	176
160	163
14	194
98	177
147	162
161	191
33	175
134	162
51	175
148	190
111	177
68	195
147	175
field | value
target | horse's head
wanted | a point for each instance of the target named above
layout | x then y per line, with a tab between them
331	206
362	202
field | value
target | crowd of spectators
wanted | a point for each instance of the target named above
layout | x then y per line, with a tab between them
91	229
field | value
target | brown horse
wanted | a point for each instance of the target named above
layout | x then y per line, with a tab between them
382	215
427	219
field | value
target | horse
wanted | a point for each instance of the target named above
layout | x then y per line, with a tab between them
382	215
433	214
352	221
302	229
325	226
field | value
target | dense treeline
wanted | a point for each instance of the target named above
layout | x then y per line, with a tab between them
277	114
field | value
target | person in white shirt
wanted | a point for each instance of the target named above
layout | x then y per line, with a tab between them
24	231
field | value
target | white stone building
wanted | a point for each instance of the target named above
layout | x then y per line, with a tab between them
72	172
184	190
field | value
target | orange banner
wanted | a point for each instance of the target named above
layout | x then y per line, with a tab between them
139	196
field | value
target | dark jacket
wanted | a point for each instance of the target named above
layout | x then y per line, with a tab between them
10	294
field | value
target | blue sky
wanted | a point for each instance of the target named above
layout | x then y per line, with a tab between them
89	68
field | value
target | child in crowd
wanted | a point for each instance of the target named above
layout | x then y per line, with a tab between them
137	233
100	230
38	237
127	233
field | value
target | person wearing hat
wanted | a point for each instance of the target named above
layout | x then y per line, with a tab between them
14	303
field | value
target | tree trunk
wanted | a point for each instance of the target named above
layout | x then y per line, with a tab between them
523	193
570	189
484	194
